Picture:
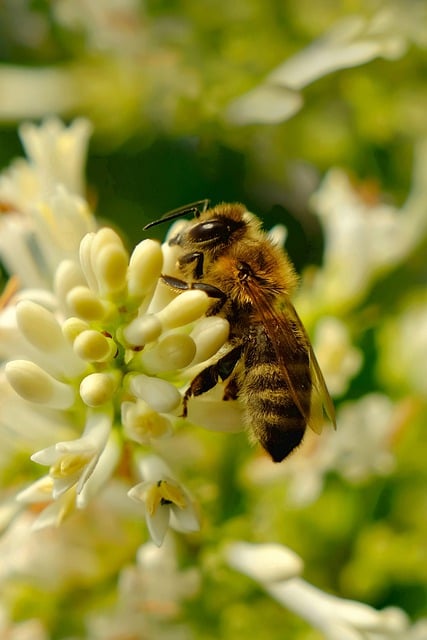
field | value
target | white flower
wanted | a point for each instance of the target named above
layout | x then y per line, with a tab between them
336	618
166	502
362	239
72	463
48	216
149	598
339	360
265	563
403	357
360	447
351	42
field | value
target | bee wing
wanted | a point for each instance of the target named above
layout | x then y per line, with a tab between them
320	400
287	334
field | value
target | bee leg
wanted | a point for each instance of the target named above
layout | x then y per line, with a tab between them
209	289
209	377
231	391
197	257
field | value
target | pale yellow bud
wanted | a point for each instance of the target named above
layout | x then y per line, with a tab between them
85	304
97	389
145	266
67	276
93	346
185	308
209	334
39	326
161	395
141	330
72	327
32	383
110	266
171	353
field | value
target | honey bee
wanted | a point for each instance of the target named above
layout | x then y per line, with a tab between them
270	365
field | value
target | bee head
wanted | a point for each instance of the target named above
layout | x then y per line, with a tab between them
215	228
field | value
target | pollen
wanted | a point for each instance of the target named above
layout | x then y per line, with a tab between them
69	464
164	493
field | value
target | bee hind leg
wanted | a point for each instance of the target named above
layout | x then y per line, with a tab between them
209	377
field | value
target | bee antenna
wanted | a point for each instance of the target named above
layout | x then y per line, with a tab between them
196	208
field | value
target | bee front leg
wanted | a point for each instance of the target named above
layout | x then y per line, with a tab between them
197	257
209	289
209	377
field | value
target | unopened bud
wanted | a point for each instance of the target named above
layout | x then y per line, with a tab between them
32	383
97	388
85	304
145	266
93	346
173	352
185	308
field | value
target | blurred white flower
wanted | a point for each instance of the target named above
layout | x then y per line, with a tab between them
149	597
34	92
361	446
351	42
46	215
266	563
403	356
336	618
362	239
339	360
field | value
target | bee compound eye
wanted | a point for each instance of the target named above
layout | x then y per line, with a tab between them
210	230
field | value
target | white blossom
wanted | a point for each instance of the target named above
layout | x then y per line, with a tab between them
336	618
351	42
166	502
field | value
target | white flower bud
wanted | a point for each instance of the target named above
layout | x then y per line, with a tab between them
85	255
108	260
265	563
185	308
97	388
141	330
85	304
39	326
110	266
93	346
67	276
72	327
35	385
145	266
171	353
161	395
209	334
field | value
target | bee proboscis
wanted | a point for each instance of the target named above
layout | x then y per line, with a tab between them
270	365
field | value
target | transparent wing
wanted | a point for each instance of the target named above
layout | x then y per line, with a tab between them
288	337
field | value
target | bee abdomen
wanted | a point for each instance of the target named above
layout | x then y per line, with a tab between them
271	411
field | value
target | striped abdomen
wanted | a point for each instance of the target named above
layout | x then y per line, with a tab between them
270	410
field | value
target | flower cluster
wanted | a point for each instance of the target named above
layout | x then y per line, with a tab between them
103	354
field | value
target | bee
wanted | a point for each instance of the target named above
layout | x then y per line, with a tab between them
270	365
